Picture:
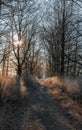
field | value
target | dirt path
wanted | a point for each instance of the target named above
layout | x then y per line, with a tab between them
38	111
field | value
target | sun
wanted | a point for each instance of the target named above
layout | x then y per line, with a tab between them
16	43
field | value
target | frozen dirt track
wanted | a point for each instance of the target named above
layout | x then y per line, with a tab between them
37	111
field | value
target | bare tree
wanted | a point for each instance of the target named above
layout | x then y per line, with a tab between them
61	36
22	25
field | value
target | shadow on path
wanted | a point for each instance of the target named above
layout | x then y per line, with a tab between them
37	111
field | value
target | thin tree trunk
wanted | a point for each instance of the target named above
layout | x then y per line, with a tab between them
63	40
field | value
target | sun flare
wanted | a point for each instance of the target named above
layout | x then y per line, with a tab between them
16	43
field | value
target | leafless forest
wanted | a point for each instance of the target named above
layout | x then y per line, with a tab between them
40	64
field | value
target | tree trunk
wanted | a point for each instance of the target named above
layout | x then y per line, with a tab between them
63	40
19	71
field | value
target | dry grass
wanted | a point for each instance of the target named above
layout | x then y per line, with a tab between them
58	85
67	91
52	81
11	89
66	103
34	108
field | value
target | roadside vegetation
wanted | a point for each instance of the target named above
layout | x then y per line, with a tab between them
40	104
68	92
